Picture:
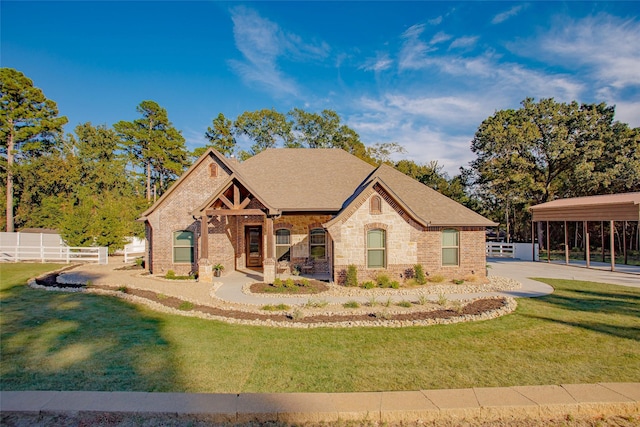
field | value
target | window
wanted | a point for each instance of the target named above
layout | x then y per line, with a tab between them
183	247
213	170
450	247
375	205
283	244
318	243
376	249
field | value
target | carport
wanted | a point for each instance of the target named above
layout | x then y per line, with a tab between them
611	208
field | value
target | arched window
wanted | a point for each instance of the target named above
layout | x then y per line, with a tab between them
183	247
376	248
318	243
283	244
213	170
450	247
375	205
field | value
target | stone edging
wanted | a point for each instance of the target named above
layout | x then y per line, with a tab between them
510	306
496	284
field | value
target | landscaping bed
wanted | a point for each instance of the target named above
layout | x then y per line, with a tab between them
375	313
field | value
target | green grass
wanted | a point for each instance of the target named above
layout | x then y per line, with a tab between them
583	333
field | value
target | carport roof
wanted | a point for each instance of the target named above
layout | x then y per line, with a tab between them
609	207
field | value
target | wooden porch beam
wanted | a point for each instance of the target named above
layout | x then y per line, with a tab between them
226	201
245	203
204	237
211	212
236	196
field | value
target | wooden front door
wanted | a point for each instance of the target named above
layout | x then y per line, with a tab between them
253	245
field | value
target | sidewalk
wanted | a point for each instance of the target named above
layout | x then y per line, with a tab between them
486	404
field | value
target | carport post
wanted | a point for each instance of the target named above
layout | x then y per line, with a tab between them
613	248
548	244
566	244
533	240
587	252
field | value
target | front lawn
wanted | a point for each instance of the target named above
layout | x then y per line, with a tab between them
582	333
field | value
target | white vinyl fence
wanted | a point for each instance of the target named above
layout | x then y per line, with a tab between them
134	249
521	251
15	247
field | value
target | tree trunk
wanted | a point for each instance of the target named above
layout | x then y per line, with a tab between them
148	180
10	148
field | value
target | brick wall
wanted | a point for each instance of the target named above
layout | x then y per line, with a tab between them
174	214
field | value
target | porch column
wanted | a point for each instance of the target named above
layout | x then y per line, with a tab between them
204	237
269	263
205	272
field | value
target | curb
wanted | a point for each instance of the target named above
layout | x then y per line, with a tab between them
486	404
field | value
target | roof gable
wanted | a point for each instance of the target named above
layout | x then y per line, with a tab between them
230	169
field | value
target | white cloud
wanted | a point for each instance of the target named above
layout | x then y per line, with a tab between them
380	63
262	43
463	42
439	38
501	17
606	45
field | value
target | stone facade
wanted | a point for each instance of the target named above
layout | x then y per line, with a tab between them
407	243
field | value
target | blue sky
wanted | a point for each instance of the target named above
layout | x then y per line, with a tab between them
422	74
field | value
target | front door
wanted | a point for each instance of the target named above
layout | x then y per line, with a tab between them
253	235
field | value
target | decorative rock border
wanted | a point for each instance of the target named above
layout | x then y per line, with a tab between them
496	284
508	307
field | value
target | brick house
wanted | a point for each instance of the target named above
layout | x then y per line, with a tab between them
318	210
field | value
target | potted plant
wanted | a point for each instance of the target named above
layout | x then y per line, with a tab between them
217	269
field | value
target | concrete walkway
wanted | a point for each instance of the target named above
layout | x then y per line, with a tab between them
229	287
486	404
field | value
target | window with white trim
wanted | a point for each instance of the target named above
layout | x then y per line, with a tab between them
450	247
318	243
283	244
376	248
183	247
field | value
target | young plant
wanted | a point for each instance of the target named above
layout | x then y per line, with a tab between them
351	278
387	303
304	282
442	299
405	304
289	283
170	274
185	306
368	285
277	282
351	304
317	303
372	301
420	277
423	300
457	307
458	281
383	281
437	278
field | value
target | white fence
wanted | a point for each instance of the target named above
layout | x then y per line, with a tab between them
62	253
521	251
21	246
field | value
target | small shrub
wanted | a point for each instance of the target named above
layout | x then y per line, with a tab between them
458	281
411	282
470	278
442	299
423	300
387	303
419	274
457	307
372	301
271	307
185	306
289	283
140	262
436	279
351	278
277	282
123	289
297	314
384	315
161	296
368	285
317	303
351	304
170	274
304	282
405	304
89	284
383	281
395	284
